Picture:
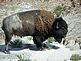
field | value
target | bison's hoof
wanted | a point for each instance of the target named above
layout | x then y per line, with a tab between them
42	48
7	52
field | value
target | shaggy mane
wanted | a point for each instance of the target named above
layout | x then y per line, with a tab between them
44	21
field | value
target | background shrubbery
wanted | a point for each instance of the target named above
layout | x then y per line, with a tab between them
58	10
75	57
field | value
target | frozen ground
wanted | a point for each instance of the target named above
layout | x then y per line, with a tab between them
30	52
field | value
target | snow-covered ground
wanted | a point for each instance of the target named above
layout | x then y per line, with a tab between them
59	54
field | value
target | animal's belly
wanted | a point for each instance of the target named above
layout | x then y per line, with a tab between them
19	32
24	31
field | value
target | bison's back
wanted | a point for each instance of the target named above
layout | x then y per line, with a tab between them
42	19
11	22
29	22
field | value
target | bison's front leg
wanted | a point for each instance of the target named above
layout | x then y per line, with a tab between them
38	40
8	37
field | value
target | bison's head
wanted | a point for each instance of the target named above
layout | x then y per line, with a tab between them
60	29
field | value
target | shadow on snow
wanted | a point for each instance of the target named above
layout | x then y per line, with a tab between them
29	46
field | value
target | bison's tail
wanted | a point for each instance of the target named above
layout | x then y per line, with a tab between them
3	25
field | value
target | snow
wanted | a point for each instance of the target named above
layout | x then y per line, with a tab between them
59	54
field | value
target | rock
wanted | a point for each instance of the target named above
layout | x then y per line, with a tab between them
73	47
74	27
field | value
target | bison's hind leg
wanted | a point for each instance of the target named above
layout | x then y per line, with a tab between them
8	37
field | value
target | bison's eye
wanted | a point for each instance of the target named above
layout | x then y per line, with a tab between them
63	28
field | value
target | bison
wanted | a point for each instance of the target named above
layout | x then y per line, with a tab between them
40	24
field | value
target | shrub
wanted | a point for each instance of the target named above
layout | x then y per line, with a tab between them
50	40
22	59
58	10
75	57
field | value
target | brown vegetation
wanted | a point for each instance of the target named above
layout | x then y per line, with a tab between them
1	1
76	3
